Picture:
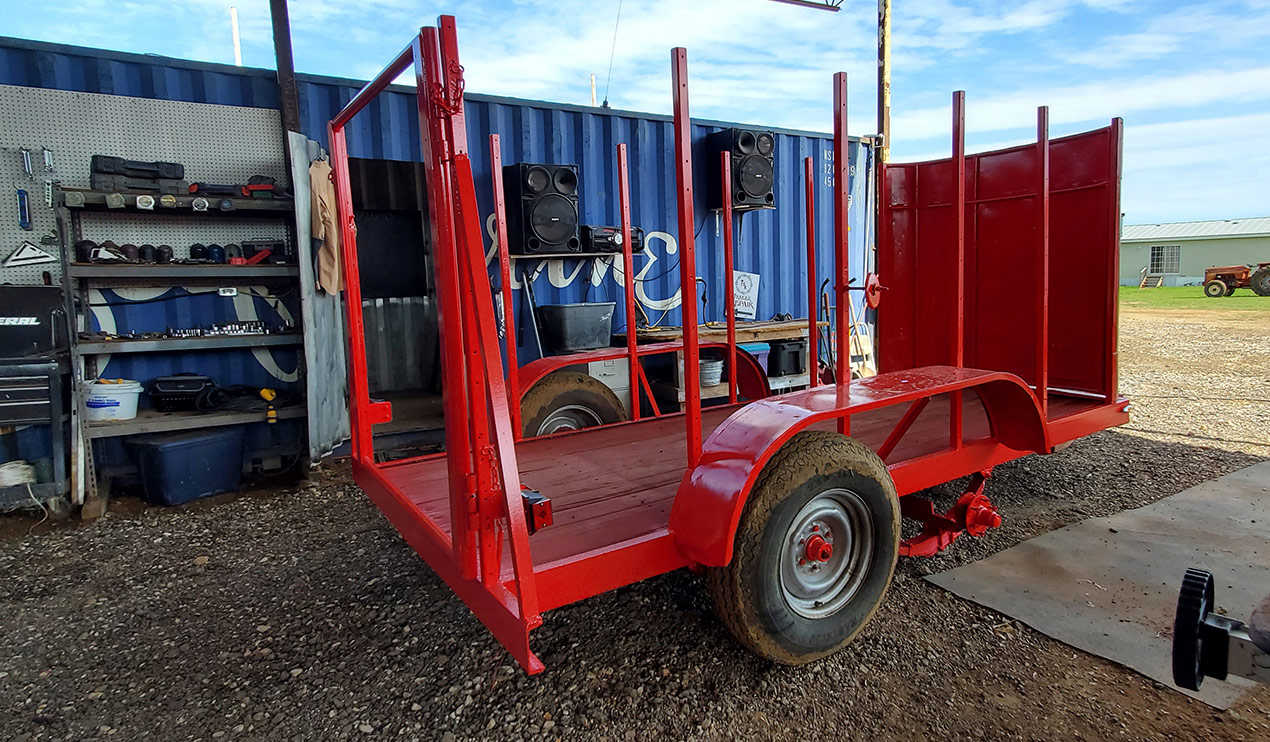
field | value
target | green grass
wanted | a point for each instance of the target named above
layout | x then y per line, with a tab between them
1191	298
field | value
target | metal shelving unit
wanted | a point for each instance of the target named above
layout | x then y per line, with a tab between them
152	421
212	342
98	201
72	206
182	271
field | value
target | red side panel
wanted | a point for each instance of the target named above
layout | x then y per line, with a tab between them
1004	250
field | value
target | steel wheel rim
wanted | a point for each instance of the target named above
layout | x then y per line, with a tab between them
569	417
817	589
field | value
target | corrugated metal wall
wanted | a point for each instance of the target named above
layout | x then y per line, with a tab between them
771	243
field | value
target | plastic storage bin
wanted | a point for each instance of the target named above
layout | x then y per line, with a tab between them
759	351
570	327
179	467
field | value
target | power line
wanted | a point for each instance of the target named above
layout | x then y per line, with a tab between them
608	79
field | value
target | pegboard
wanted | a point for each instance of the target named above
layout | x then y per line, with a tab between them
217	144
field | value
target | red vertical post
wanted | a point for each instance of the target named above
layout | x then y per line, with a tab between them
813	327
362	439
729	285
1114	153
1043	270
687	253
454	371
842	238
959	261
505	281
628	272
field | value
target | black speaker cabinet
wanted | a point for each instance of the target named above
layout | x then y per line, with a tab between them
753	173
542	208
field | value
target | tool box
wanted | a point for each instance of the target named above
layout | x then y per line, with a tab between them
109	165
117	183
176	468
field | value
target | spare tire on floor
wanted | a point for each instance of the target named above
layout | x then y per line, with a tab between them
568	400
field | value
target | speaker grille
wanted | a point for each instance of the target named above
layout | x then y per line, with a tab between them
542	208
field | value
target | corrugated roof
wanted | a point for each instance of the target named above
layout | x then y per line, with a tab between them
1257	226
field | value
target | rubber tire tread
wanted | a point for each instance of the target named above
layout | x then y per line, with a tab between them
560	388
1225	290
1260	282
804	456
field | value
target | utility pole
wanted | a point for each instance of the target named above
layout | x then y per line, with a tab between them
288	98
884	78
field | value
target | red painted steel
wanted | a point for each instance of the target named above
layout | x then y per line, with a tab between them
463	512
370	90
505	279
973	513
841	237
362	412
636	371
729	284
455	374
687	252
955	426
813	326
1111	368
1041	372
709	503
751	380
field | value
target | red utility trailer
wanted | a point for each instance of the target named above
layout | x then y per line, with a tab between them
789	505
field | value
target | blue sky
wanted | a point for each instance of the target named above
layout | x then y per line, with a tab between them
1192	80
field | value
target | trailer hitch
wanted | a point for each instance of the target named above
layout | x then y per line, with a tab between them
974	513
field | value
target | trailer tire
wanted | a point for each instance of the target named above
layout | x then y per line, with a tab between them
568	400
1260	282
1216	288
764	596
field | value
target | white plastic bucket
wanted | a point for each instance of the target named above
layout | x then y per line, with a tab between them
112	400
711	372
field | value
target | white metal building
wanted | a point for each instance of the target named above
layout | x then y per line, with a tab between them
1180	251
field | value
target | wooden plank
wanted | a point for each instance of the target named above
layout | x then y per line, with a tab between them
746	332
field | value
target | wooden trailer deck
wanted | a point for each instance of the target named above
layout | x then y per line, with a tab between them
615	485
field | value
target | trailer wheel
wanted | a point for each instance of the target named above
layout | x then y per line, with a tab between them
568	400
814	551
1260	282
1215	288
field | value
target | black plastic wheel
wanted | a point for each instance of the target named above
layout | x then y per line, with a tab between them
1215	288
1260	281
1194	601
814	552
568	400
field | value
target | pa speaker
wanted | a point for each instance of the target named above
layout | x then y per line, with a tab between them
542	208
752	152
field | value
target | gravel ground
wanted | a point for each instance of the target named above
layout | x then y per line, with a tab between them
300	614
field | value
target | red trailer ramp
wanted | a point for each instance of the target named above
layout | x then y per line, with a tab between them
790	504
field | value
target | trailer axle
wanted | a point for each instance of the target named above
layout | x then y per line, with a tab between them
974	513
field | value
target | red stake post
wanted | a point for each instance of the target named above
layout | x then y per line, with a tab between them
687	254
1043	270
729	285
628	272
841	236
505	281
813	327
959	263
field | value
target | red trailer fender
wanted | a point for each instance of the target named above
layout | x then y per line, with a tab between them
708	506
751	380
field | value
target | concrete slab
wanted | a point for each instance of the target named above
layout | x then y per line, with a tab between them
1109	585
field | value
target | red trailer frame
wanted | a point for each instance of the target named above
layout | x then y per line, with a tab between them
976	371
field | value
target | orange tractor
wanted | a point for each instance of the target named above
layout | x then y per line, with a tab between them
1224	280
